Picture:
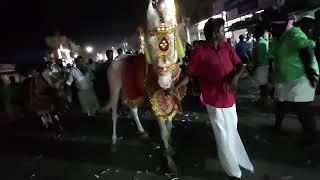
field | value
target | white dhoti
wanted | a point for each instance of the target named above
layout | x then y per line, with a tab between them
88	101
261	75
299	90
87	97
231	151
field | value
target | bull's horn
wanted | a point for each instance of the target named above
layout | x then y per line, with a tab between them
152	15
169	12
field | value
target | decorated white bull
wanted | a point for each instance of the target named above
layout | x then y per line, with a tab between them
149	79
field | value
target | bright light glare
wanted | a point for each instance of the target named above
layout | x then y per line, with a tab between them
89	49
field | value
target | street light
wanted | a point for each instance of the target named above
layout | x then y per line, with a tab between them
89	49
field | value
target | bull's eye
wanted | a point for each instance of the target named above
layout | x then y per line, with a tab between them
164	44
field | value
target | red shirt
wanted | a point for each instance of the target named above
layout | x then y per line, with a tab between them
213	67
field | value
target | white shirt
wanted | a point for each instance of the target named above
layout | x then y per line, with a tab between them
250	45
83	82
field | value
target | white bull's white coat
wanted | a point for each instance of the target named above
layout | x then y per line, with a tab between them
115	80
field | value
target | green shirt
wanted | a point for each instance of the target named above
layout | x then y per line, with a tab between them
285	51
260	52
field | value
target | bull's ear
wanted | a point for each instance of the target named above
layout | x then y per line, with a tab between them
169	12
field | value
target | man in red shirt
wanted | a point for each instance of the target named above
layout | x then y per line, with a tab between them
218	68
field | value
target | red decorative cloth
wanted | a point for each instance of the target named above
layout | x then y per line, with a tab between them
133	79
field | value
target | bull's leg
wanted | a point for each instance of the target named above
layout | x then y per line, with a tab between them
114	105
114	125
169	127
43	119
134	112
49	117
165	128
171	164
56	117
164	133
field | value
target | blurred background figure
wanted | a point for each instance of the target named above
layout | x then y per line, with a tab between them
261	63
306	24
316	34
229	41
102	88
92	65
120	51
242	50
250	41
82	77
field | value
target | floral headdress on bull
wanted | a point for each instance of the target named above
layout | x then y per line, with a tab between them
164	50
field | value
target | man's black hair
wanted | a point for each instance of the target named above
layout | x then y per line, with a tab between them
109	51
259	30
212	25
1	82
279	16
317	15
120	50
12	79
241	37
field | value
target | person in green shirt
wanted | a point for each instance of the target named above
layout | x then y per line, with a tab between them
261	63
295	74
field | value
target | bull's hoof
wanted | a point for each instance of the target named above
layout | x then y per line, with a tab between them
115	142
144	135
60	128
105	109
170	151
114	148
172	166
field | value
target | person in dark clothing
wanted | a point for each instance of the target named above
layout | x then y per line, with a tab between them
261	63
120	51
316	34
305	25
102	79
242	50
13	81
59	62
229	41
109	54
2	103
14	86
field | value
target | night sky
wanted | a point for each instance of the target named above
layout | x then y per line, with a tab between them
101	23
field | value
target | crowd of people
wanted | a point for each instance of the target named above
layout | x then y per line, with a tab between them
285	67
51	89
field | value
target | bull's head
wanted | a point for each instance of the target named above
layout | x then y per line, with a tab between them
163	43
